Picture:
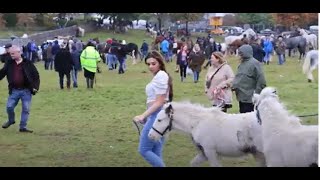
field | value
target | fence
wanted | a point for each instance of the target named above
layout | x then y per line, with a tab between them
39	38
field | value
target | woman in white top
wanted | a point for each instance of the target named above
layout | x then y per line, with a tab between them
158	91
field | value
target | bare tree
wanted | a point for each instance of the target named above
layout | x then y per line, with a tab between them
25	19
2	21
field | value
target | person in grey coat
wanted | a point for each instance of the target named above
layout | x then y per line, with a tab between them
248	80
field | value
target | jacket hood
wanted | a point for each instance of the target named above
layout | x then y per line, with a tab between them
245	51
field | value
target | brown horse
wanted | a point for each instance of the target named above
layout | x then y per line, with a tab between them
181	32
159	39
235	45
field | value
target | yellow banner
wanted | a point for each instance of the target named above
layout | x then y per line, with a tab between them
216	21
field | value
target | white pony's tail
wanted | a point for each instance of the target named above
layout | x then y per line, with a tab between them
306	63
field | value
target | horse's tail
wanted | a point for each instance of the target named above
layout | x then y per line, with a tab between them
306	63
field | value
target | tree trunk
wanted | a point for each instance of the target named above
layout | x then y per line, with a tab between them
159	25
113	23
187	28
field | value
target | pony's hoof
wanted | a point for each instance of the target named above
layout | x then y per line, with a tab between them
309	80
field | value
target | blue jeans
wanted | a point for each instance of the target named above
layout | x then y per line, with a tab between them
267	57
144	54
74	76
151	150
196	76
111	60
25	96
281	59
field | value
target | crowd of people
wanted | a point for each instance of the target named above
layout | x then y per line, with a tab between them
72	56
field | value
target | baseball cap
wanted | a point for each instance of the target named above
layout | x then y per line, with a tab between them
8	45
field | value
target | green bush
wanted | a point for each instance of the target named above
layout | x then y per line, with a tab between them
11	19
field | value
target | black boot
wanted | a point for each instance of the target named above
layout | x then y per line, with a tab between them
87	80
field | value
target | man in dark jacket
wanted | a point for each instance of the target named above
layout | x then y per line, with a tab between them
63	64
258	52
23	82
211	48
144	49
76	65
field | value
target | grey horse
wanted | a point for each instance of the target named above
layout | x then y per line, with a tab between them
296	42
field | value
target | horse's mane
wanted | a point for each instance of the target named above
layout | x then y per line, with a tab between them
279	110
195	107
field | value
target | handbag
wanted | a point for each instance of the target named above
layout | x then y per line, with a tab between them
208	82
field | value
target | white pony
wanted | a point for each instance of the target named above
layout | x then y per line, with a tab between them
24	36
224	48
214	132
310	63
81	31
312	39
152	32
286	142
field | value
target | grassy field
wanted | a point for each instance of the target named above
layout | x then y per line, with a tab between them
81	127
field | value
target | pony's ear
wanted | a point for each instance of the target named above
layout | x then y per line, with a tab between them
255	98
168	109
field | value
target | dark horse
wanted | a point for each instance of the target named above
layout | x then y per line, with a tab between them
133	50
296	42
130	49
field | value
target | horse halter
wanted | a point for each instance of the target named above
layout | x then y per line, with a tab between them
258	112
169	127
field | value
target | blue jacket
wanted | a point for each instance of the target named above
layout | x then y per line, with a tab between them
267	46
144	47
55	48
164	46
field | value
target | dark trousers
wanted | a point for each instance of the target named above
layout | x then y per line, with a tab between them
245	107
183	71
61	76
208	63
89	78
121	63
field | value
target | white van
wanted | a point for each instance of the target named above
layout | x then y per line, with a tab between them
314	30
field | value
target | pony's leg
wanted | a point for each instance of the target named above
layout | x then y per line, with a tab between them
133	57
198	159
309	74
212	157
260	159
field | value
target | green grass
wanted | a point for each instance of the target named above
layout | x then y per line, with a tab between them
81	127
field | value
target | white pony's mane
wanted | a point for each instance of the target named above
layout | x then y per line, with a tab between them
194	107
278	109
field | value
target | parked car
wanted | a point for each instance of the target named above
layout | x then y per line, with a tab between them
267	32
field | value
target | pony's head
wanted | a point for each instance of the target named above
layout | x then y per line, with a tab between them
266	92
302	31
163	123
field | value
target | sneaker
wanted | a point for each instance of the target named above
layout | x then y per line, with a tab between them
25	130
7	124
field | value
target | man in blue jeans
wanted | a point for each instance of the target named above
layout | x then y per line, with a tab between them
23	79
